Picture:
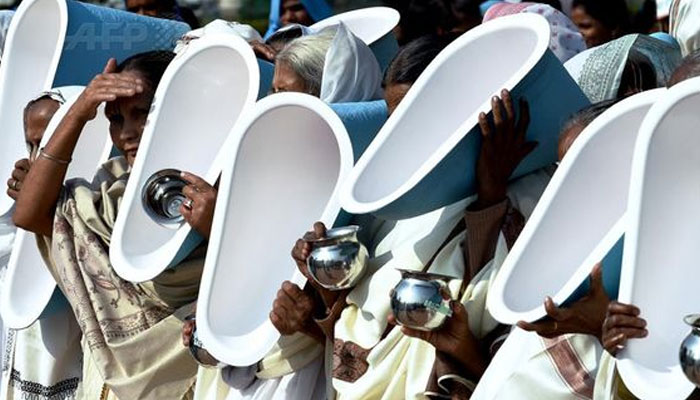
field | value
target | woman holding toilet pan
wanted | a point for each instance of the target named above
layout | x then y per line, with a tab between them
359	374
47	353
318	65
143	319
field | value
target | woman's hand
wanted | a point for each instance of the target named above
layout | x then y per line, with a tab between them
585	316
198	208
621	323
264	51
107	86
292	310
302	250
14	184
503	147
454	339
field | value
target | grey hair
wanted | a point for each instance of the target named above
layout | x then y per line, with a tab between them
306	56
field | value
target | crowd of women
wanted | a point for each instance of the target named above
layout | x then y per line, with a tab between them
132	340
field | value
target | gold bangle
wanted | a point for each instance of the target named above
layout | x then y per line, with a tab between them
52	158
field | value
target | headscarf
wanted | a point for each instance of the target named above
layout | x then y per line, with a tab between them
5	19
566	40
685	24
598	71
317	9
351	72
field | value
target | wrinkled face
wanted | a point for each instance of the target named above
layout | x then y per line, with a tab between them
592	30
294	12
127	118
393	94
36	120
150	8
286	80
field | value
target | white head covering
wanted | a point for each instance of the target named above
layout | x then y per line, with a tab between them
351	72
685	24
5	19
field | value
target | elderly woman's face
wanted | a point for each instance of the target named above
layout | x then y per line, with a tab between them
294	12
286	80
127	118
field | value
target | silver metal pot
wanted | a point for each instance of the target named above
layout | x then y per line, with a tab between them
339	260
690	350
421	300
162	197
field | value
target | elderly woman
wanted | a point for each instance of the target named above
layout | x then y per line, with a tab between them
130	331
372	358
337	67
46	354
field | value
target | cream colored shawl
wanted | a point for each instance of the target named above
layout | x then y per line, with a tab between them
131	331
399	366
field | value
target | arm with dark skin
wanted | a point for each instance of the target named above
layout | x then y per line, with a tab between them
36	203
504	146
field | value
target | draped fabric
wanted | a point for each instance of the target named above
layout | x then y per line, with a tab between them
599	70
566	40
351	72
131	332
685	24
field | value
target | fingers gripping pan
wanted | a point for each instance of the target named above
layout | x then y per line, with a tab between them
291	155
202	94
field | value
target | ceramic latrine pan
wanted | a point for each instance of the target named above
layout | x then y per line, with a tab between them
291	155
578	219
202	94
660	263
374	26
424	156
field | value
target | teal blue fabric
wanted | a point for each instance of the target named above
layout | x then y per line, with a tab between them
95	34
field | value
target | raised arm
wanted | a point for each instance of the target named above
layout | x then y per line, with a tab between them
36	203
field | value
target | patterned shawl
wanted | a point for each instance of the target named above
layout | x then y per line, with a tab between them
131	331
598	70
